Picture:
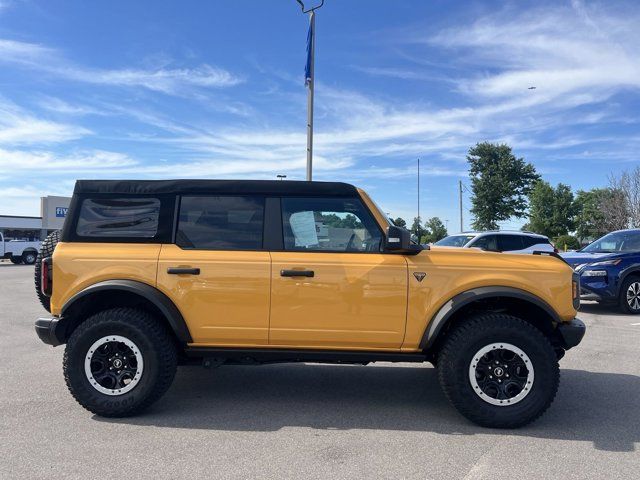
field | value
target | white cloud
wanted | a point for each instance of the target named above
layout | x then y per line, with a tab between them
165	80
95	161
561	50
18	127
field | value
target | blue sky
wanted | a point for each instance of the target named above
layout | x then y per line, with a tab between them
194	89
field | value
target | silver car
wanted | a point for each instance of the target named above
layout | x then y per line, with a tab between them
500	241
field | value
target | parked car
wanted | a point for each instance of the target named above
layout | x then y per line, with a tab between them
19	251
147	274
500	241
609	269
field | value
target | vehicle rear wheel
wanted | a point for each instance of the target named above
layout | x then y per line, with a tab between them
46	250
119	361
630	295
29	258
498	371
16	260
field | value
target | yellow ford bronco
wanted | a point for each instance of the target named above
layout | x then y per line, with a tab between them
148	275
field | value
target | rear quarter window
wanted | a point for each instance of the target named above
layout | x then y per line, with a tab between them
118	218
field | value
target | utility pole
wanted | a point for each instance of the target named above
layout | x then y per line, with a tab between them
312	48
309	80
460	196
419	192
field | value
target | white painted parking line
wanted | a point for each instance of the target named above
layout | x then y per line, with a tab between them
635	324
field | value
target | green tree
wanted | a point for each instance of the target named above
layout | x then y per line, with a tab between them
435	230
551	210
399	222
500	182
416	228
599	211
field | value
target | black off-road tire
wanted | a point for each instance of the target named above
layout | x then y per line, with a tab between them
155	345
15	260
632	281
46	250
455	360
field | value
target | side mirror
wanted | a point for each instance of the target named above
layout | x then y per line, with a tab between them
398	240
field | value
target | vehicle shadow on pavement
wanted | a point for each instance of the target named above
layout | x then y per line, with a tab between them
594	407
603	309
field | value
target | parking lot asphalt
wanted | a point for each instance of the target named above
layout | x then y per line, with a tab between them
313	421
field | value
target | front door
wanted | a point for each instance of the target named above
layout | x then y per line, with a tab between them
217	273
332	287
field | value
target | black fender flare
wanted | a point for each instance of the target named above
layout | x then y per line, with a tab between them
149	293
444	314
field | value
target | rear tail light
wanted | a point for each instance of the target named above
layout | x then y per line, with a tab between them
46	276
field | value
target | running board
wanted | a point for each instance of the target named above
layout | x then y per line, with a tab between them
219	356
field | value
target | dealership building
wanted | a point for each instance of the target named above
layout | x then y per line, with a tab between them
53	211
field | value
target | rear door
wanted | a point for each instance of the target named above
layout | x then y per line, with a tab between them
217	272
332	287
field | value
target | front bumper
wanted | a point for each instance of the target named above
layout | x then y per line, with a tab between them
50	330
571	333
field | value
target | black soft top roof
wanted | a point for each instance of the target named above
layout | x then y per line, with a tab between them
262	187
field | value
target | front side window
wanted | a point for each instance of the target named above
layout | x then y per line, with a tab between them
329	224
118	217
455	241
221	222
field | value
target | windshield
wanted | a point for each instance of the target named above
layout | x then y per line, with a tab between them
455	241
615	242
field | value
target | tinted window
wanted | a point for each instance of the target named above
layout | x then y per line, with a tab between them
531	241
221	223
455	240
119	217
487	242
329	224
507	243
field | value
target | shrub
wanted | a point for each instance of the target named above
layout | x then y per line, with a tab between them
567	242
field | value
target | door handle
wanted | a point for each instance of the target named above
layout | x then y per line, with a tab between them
296	273
183	271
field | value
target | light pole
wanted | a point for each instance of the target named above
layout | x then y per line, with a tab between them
309	80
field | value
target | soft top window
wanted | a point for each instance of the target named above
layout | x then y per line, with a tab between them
118	217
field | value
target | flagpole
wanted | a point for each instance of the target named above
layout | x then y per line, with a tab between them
310	84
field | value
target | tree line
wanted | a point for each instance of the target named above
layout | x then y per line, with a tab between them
504	187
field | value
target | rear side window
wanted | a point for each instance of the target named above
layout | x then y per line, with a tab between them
531	241
221	222
508	243
118	218
487	242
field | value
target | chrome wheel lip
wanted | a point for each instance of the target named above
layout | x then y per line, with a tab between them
494	401
633	296
89	355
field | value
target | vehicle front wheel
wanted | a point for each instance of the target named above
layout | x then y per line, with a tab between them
119	361
630	295
498	370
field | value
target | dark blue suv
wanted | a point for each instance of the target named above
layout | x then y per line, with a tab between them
609	269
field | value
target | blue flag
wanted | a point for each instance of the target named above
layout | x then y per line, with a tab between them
307	67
